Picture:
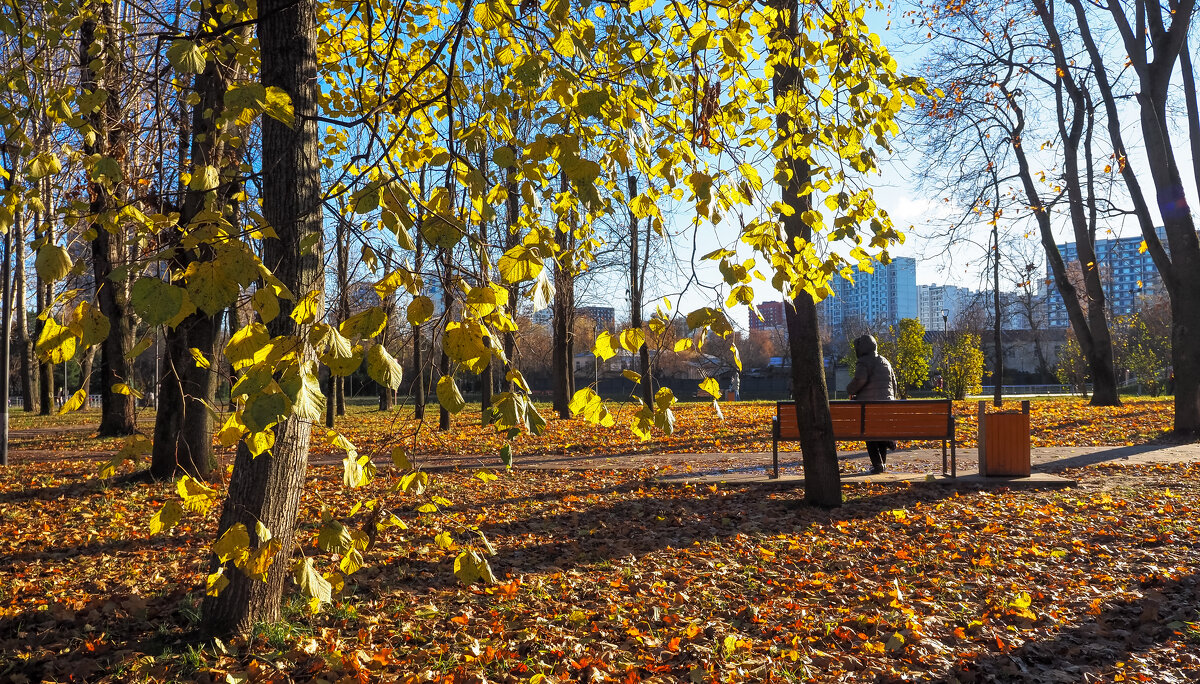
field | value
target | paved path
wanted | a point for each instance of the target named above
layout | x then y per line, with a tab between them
910	461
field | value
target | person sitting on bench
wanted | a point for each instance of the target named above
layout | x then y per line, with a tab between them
873	380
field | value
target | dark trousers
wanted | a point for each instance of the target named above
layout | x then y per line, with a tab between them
878	453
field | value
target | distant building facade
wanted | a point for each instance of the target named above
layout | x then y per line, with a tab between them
882	297
772	314
1127	274
604	316
935	301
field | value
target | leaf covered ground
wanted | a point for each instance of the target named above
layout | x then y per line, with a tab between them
741	427
606	576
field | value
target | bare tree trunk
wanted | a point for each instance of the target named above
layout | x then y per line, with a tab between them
6	334
183	426
485	279
443	371
85	375
385	392
1180	268
510	240
998	341
1072	125
116	409
267	489
343	307
328	384
444	360
21	336
1076	315
45	369
822	482
560	361
636	269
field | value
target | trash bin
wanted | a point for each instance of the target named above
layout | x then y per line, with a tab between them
1004	442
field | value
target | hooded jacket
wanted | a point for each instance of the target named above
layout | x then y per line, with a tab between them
874	379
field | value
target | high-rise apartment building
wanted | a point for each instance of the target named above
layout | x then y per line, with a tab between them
1127	274
881	297
934	301
772	317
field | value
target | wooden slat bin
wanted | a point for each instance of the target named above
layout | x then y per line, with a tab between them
1004	442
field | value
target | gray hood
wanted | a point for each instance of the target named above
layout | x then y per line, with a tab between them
865	346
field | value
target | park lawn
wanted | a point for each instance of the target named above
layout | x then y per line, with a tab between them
740	427
607	576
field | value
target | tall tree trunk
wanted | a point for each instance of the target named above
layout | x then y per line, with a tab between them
997	337
267	489
1180	268
443	372
328	384
5	335
1076	315
444	360
510	240
417	335
822	482
183	426
343	307
45	368
1073	123
385	392
98	46
636	271
85	375
560	361
485	280
24	343
570	307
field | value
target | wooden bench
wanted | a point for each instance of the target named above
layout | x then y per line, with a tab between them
861	421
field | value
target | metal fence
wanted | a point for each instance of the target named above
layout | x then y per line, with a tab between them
1007	390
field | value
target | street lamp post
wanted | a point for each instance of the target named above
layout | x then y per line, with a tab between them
945	339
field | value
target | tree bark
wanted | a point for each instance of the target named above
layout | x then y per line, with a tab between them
267	489
485	280
822	482
385	393
116	409
513	206
636	280
443	372
21	338
564	293
444	360
183	427
1180	268
45	369
1072	126
343	307
417	335
5	336
85	375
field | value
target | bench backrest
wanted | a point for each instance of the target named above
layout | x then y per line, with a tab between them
911	418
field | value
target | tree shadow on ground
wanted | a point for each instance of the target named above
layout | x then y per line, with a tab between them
1113	639
666	517
1122	453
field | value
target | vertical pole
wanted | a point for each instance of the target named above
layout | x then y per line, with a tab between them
4	347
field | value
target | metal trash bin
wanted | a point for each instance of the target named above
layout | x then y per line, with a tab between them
1004	442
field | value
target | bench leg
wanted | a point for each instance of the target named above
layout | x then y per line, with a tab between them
943	457
953	461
